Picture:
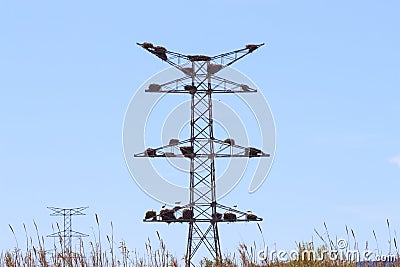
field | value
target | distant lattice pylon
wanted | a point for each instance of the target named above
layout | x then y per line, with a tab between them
67	233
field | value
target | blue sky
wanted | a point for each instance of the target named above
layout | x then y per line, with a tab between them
330	71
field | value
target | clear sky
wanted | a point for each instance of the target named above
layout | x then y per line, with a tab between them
330	71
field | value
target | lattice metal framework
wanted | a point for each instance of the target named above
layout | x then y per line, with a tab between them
200	81
67	233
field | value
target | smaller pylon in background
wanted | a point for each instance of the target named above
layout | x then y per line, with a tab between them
67	233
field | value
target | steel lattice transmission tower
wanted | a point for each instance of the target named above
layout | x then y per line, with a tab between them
200	81
67	233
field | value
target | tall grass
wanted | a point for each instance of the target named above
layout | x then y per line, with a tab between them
113	254
91	253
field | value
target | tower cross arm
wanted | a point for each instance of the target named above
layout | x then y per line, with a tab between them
176	86
182	85
227	59
228	149
67	212
222	85
64	233
180	149
175	59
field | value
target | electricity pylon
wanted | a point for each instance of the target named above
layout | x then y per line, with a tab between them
67	233
200	81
